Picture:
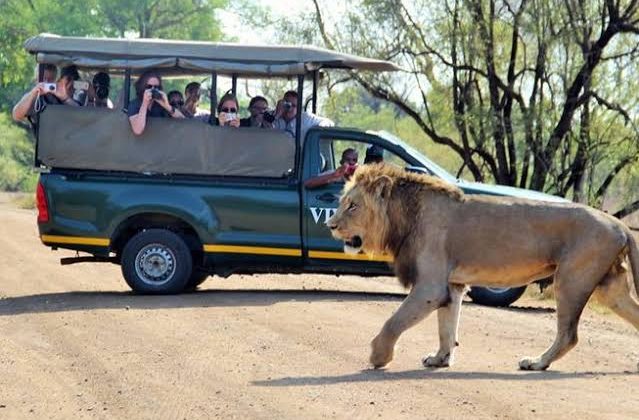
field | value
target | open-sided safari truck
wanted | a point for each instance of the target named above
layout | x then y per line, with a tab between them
188	199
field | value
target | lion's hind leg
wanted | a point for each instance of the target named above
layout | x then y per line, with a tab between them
448	319
615	292
575	281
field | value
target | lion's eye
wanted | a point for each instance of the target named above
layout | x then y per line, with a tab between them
352	207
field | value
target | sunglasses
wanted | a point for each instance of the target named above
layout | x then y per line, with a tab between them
231	110
152	86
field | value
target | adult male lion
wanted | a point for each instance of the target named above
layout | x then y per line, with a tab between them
442	240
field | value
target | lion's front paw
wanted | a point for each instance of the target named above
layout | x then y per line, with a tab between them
381	353
437	360
530	363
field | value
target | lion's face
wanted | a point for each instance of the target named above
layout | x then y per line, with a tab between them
360	220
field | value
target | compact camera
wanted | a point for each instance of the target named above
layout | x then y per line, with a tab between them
287	105
49	87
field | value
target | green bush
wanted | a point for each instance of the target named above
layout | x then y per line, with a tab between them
16	157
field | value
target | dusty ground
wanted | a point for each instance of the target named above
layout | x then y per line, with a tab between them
74	343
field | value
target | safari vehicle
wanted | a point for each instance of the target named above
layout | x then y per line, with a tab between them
186	200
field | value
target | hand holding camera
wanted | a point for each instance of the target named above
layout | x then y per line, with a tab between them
44	88
345	171
229	119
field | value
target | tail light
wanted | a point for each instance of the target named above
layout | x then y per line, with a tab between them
41	203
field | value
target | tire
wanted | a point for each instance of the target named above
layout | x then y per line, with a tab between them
156	261
495	296
197	278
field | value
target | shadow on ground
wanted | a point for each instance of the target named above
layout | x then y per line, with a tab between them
81	301
370	375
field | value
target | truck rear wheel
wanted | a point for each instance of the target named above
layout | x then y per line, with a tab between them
156	261
495	296
197	278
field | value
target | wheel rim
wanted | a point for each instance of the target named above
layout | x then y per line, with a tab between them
155	264
498	290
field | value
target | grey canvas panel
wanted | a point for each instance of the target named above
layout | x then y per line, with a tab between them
246	70
101	139
102	63
249	58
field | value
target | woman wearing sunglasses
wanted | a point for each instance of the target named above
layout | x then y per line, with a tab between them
227	111
151	101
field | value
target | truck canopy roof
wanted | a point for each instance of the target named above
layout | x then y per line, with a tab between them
195	56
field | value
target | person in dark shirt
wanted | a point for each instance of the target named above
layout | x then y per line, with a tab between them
44	94
151	101
374	154
258	106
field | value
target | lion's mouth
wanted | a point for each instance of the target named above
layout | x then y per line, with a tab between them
353	245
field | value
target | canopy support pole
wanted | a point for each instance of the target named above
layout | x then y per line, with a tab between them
234	85
41	73
315	83
298	121
127	88
213	96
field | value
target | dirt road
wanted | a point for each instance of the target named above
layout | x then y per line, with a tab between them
74	343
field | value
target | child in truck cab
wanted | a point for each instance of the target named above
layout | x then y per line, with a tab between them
348	164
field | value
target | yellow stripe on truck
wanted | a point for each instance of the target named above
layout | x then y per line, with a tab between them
261	250
345	256
75	240
293	252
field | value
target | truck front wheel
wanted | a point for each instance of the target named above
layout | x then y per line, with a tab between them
156	261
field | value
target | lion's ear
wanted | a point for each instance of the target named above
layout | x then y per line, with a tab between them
382	186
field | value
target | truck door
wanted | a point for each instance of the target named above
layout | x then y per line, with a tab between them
322	156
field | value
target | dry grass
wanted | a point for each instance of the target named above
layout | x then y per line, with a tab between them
25	201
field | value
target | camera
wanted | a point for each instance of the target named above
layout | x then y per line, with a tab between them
269	116
156	93
101	92
287	105
80	85
49	87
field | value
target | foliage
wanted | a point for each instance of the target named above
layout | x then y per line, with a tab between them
20	19
525	93
16	157
353	107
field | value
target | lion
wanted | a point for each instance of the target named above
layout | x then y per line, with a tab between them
442	240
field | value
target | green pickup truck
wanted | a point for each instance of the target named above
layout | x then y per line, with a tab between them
186	200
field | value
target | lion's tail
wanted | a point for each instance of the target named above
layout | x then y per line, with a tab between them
633	252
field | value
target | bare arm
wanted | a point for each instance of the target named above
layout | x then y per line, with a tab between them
138	121
22	108
321	180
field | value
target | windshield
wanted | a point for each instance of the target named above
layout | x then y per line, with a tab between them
428	164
